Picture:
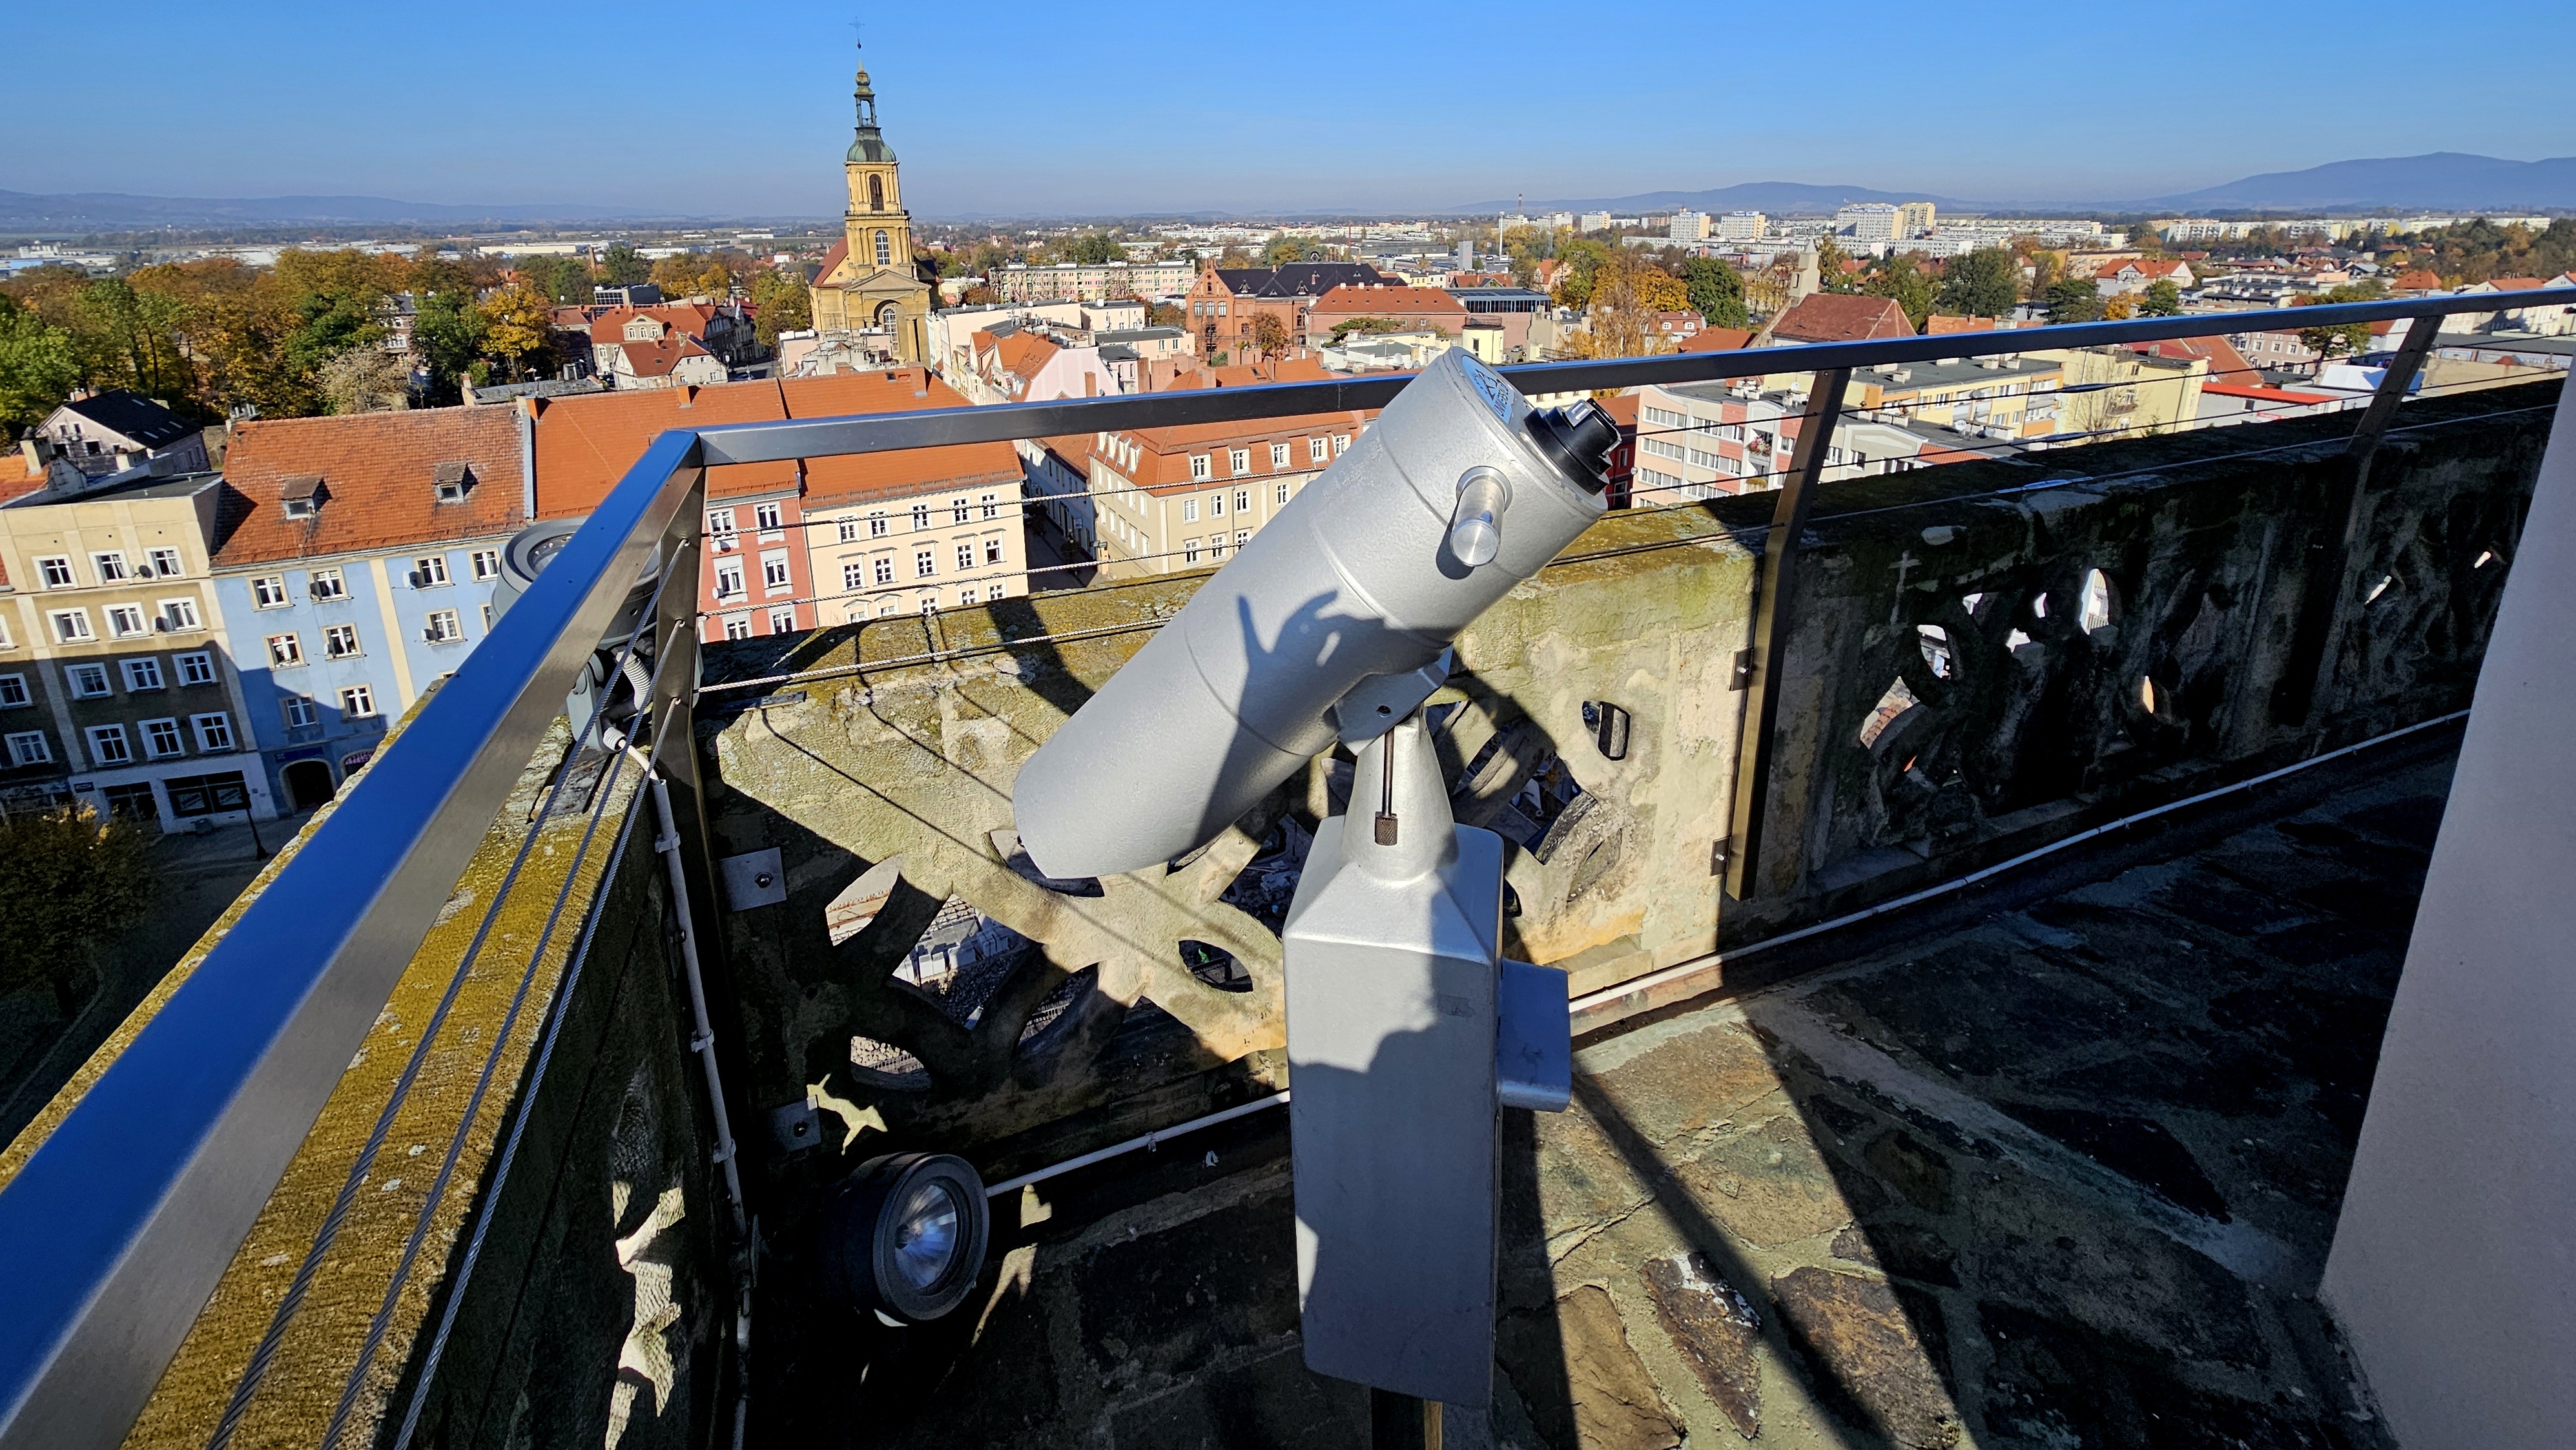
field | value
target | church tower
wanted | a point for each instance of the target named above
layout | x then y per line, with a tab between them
872	281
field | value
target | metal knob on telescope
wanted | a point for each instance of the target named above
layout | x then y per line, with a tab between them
1475	527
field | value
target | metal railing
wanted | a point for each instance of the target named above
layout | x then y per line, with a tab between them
118	1226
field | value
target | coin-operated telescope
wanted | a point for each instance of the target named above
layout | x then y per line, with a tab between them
1406	1029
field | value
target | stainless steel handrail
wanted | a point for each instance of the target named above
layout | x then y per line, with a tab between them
116	1229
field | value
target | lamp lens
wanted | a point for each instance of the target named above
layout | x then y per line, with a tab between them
925	1235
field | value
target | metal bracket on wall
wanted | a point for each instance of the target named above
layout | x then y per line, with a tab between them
1774	604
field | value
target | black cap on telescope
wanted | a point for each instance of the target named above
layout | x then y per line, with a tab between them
1577	440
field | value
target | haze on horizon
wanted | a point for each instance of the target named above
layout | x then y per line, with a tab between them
1040	110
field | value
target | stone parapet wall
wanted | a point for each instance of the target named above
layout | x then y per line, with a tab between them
1982	659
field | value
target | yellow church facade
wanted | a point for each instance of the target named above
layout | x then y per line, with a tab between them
872	281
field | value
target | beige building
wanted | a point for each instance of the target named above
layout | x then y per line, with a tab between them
2111	392
871	284
2002	396
1162	500
115	687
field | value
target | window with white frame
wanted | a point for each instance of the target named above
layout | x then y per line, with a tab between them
1216	546
720	529
884	568
13	692
88	680
299	712
30	747
107	745
924	564
1283	490
1243	500
877	524
71	626
125	621
166	565
142	673
268	591
1190	510
847	530
1341	444
196	667
920	517
7	641
854	575
487	563
1315	449
992	593
110	565
1189	551
358	702
992	506
775	577
285	651
1279	455
993	550
177	616
1240	461
1216	503
1198	465
729	579
429	571
443	627
324	585
769	517
487	616
56	571
161	739
214	732
965	556
340	641
957	507
966	596
782	620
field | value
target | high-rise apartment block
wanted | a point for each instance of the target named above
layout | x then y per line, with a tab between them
1689	226
1742	226
1868	221
1913	218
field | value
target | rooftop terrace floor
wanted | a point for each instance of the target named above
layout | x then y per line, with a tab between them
2056	1164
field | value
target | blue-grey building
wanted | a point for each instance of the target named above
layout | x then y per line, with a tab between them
355	565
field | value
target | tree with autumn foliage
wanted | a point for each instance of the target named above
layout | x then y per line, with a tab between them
516	322
780	303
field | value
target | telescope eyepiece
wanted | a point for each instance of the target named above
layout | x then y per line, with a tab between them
1577	440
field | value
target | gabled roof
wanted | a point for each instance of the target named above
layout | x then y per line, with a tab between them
1376	298
586	444
1023	354
376	474
837	482
693	318
2225	362
840	253
1842	317
1163	454
656	359
129	414
1716	339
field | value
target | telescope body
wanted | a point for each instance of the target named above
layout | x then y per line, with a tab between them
1356	577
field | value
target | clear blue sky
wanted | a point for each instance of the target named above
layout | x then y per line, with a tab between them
743	108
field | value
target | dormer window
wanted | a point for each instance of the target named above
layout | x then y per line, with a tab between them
451	481
643	329
301	497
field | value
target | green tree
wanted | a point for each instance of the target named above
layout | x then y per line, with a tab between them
1093	249
1984	283
131	340
2162	299
69	880
1829	267
780	303
2332	342
1583	259
1716	291
39	366
564	279
2075	299
447	338
1903	279
1365	326
622	266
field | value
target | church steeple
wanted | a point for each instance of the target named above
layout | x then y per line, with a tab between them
869	146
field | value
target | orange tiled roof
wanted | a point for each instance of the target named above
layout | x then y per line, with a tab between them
1023	353
1716	339
656	359
1940	324
1842	317
852	478
377	472
840	253
2514	284
1163	454
586	443
1368	301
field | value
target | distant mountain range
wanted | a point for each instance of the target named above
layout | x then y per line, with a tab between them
2440	181
108	210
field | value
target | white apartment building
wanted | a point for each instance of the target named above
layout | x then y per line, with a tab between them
1868	221
1594	221
1742	226
1688	226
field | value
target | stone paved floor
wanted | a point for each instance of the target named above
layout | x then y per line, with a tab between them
2055	1170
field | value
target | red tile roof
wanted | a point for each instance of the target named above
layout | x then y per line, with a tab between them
1374	301
857	477
656	359
840	253
585	444
2514	284
1163	454
1842	317
1716	339
1939	324
376	471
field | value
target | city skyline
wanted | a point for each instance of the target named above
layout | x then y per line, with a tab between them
1854	106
